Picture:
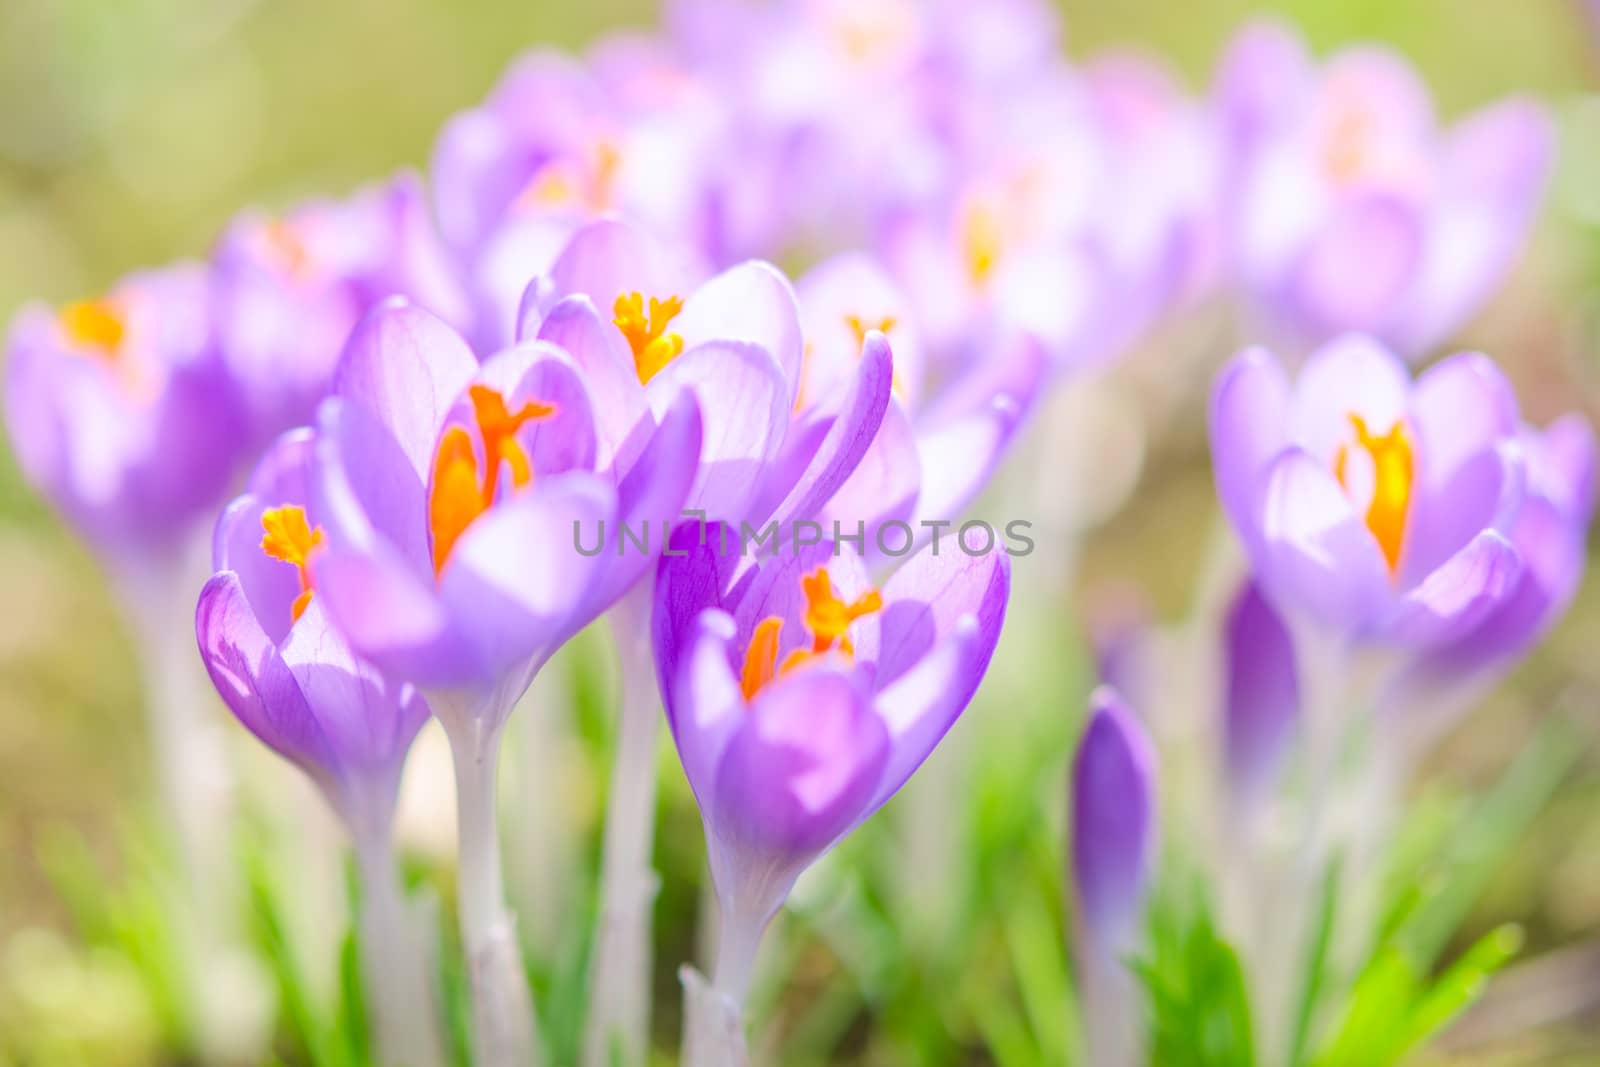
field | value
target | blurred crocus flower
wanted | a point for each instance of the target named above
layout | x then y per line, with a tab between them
1373	508
455	499
291	678
122	414
1113	854
644	329
1352	209
801	698
556	145
291	288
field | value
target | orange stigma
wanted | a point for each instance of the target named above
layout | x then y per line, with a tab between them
94	326
1348	151
570	183
826	617
460	493
861	327
291	539
1393	468
653	348
287	248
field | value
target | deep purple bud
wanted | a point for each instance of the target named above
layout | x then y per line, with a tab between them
1113	820
1261	696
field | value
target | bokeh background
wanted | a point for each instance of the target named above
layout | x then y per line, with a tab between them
131	130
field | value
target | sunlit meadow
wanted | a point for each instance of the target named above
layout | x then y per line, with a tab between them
1154	443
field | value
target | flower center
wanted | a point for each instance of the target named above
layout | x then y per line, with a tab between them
290	538
981	242
286	248
1393	468
94	327
861	327
1348	153
653	348
572	183
827	618
461	492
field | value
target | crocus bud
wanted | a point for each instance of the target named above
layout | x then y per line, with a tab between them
1113	821
1261	697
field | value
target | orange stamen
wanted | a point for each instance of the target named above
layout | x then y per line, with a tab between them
1393	468
291	539
653	348
459	494
981	242
761	657
95	326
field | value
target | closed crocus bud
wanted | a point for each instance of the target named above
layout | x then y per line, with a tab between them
1113	822
1261	698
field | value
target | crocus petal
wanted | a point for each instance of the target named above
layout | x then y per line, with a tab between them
1563	466
1495	166
795	775
254	681
744	407
1249	405
515	579
1261	699
367	720
750	302
1363	258
822	466
1113	821
963	439
697	573
406	368
609	373
364	488
704	703
1457	596
608	259
1317	556
884	486
1262	77
649	500
1351	375
927	599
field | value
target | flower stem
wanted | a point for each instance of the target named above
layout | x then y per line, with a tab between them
713	1030
502	1004
618	1027
400	995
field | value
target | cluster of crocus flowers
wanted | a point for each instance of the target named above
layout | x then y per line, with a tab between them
491	397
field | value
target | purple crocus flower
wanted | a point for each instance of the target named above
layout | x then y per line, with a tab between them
557	145
1374	508
456	499
121	413
1351	209
450	493
278	661
290	290
1113	821
292	679
801	698
644	330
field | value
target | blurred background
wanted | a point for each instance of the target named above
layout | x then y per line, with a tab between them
131	130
